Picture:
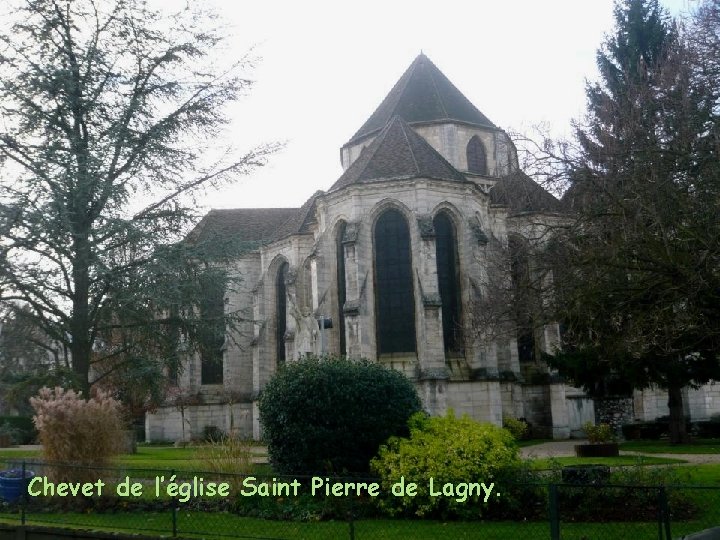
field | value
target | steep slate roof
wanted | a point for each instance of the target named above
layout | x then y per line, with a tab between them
520	193
423	94
256	226
398	153
301	220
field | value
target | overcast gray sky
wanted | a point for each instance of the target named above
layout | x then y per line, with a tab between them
325	66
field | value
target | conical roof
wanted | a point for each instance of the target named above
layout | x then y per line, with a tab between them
423	94
398	153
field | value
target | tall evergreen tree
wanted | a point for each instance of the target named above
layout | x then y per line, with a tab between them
640	292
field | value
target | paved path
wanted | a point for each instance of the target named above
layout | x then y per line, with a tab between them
567	448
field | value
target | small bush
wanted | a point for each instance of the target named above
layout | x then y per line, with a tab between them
227	455
330	415
9	435
600	433
517	428
638	489
73	430
24	430
708	429
644	430
213	434
446	449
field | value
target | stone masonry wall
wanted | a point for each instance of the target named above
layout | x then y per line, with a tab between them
614	411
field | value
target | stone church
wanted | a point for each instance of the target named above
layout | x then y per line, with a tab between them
388	264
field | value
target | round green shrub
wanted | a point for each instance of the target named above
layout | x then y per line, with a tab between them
517	428
330	415
448	450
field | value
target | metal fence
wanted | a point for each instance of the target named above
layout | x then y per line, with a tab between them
188	504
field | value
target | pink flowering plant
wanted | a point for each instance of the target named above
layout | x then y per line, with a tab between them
75	430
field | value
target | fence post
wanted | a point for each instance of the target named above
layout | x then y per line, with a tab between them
351	526
664	513
174	511
23	495
553	512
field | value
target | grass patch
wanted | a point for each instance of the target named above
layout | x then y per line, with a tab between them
192	524
532	442
549	463
705	475
195	524
148	457
19	453
698	446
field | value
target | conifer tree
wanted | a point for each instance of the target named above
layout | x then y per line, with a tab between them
638	287
109	116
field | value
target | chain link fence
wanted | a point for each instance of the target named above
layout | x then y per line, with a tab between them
188	504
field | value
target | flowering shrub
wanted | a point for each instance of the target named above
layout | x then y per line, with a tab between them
447	450
73	430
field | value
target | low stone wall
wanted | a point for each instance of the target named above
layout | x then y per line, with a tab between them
581	409
480	400
166	423
537	410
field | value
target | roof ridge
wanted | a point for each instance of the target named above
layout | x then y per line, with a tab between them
407	139
437	92
264	209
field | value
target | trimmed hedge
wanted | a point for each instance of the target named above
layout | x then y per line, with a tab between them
330	415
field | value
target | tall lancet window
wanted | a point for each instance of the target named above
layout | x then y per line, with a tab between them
448	281
341	296
394	301
211	333
281	311
522	284
476	156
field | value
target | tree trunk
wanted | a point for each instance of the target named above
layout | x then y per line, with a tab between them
678	433
81	346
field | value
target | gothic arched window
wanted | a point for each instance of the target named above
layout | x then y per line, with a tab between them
476	156
211	333
522	286
281	311
448	280
341	284
394	300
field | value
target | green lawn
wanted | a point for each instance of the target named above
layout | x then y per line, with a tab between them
194	524
147	457
705	475
698	446
549	463
532	442
204	524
